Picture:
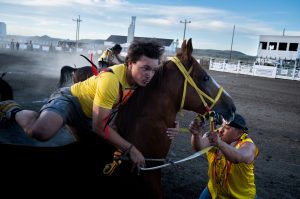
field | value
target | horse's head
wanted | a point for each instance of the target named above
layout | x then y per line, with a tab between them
201	93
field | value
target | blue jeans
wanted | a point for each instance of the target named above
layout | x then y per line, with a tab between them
206	195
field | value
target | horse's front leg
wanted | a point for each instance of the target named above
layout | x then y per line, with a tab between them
152	182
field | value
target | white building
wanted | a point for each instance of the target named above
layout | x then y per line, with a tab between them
2	29
131	29
278	48
277	57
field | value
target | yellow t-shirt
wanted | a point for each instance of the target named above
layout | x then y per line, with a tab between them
102	90
229	180
107	56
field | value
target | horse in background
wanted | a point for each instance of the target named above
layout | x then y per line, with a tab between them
68	73
143	121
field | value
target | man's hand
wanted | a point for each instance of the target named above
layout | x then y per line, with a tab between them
173	132
195	127
137	158
213	138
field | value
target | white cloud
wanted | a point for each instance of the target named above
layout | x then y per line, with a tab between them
102	18
55	3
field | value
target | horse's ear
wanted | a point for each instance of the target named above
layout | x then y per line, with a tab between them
189	47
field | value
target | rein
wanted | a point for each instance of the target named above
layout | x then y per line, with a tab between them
94	67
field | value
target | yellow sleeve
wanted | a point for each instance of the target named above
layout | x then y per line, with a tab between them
107	91
104	56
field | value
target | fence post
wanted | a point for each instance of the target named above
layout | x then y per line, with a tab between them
238	66
210	63
294	71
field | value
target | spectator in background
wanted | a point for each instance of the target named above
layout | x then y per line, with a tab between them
108	56
12	45
17	45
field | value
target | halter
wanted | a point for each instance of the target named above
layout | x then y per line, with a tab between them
201	94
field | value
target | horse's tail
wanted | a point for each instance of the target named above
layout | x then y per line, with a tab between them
6	91
66	74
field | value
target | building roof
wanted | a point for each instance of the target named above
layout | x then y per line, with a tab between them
123	39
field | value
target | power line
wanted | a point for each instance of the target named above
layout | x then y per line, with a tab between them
185	22
231	42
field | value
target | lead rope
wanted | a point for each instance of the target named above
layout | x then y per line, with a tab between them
119	156
197	154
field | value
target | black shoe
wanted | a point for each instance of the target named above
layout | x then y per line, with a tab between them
8	109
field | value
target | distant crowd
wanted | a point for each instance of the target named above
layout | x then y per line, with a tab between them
16	45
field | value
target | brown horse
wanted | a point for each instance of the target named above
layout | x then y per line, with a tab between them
179	84
68	73
153	109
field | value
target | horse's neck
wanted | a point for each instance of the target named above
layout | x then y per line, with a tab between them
160	106
166	98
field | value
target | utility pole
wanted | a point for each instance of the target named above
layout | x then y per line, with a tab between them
283	32
185	22
231	42
78	20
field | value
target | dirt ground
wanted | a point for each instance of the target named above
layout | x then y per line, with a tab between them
271	108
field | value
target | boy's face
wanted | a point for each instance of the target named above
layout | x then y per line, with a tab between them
143	70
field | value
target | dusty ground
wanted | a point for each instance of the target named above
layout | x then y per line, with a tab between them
270	106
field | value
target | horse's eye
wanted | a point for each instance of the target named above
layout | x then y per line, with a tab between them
206	78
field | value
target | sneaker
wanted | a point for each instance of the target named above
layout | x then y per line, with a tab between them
6	109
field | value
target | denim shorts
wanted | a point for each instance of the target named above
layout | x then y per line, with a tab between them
206	195
68	107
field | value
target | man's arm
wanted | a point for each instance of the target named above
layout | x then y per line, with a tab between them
246	153
199	140
119	59
99	116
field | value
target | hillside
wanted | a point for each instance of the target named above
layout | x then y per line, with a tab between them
222	54
199	53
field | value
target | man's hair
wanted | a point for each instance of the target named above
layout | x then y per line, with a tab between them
150	48
116	47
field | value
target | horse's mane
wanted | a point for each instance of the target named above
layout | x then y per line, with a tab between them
127	112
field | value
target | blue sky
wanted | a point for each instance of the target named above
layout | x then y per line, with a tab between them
211	24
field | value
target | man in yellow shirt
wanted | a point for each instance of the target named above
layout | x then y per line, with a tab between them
107	57
87	104
230	162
